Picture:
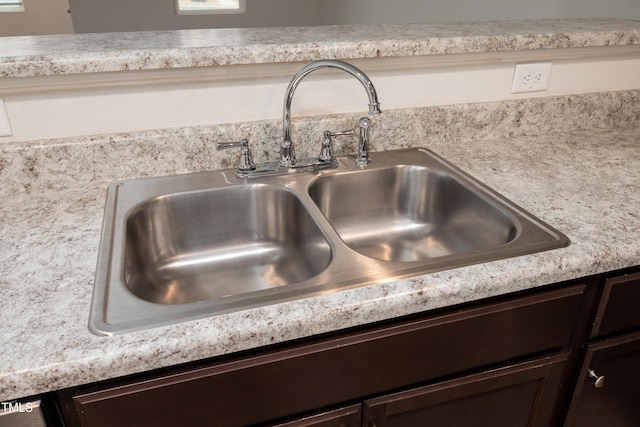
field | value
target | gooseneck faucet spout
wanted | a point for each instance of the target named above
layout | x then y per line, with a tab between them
287	152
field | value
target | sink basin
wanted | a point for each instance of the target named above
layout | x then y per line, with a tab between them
410	213
195	246
190	246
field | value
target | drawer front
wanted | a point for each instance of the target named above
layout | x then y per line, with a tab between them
618	310
309	376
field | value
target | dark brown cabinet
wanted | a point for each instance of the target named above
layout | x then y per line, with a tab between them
618	308
607	391
477	350
523	394
350	416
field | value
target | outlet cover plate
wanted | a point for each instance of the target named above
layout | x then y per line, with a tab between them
533	77
5	126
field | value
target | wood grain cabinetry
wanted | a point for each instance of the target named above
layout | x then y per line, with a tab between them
618	307
523	394
350	416
314	377
608	387
607	391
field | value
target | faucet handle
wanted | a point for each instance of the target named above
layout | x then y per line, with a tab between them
246	158
326	154
350	132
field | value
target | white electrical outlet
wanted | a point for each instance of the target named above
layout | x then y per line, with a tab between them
531	77
5	126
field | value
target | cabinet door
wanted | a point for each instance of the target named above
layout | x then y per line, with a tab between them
518	395
615	399
617	310
350	416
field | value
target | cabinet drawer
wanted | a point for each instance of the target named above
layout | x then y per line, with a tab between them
618	310
309	376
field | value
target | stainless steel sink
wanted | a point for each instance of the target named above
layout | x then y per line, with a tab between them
410	213
191	246
195	246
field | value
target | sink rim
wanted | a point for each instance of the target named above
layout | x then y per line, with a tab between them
114	311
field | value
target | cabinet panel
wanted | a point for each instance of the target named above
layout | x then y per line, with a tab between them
616	402
618	307
305	377
519	395
350	416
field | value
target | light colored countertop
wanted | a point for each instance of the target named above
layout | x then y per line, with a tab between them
585	183
89	53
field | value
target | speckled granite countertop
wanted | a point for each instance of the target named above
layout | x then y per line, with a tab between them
88	53
585	183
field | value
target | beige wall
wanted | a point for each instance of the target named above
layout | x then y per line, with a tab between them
39	17
51	16
141	15
410	11
128	15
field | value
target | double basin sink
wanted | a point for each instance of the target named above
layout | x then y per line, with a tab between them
191	246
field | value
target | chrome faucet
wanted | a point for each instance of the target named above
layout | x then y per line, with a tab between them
287	163
287	150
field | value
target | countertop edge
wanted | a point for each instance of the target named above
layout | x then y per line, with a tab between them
32	56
